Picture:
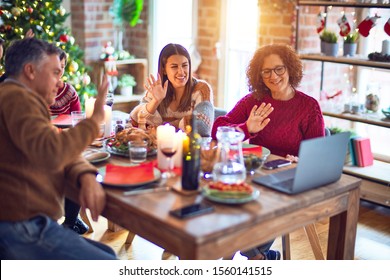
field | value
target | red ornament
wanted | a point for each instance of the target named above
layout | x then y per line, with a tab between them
345	28
387	27
30	10
64	38
366	25
320	22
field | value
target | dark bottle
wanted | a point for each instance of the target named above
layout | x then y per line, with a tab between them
191	158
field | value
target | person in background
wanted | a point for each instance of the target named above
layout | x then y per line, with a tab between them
275	114
38	163
174	94
67	99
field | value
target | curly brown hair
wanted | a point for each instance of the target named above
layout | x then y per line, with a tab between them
290	59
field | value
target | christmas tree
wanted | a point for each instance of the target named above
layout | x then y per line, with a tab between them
46	19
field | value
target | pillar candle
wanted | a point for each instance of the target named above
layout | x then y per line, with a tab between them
386	47
164	133
89	106
177	158
107	120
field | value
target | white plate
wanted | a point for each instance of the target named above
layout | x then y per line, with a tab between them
96	156
157	176
255	194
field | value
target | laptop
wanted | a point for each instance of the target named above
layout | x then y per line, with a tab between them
321	162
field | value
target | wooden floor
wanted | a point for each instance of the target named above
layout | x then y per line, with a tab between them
372	242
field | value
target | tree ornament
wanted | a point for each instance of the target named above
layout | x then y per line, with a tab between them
64	38
367	24
30	10
15	11
62	11
345	28
387	27
320	22
73	67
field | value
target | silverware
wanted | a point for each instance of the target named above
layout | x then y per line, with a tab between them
148	190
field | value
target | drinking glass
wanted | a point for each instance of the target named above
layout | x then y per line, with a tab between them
138	150
77	116
168	147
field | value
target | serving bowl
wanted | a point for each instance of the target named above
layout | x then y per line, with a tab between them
253	162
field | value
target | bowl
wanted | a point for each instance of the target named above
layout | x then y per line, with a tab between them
386	112
253	162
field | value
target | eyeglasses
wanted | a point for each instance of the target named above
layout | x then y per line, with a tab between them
279	70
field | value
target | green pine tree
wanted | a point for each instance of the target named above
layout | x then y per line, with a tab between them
46	19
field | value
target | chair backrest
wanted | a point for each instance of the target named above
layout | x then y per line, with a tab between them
219	112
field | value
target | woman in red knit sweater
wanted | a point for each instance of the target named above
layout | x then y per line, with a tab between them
275	114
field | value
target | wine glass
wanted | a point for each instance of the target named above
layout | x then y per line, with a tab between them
169	147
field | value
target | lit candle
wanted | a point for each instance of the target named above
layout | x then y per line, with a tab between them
107	120
177	158
164	133
89	106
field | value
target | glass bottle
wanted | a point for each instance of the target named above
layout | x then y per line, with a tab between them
191	158
119	126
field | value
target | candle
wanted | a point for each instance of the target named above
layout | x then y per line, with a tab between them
164	133
107	120
89	106
386	47
177	158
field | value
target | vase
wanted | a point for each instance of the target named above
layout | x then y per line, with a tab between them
118	39
331	49
349	49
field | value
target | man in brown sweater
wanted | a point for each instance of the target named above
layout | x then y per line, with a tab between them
38	163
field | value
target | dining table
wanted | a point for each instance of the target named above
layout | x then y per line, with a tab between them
232	227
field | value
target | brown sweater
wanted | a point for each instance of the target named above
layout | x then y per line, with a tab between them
37	161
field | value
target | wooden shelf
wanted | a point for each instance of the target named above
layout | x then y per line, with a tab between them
343	4
346	60
373	119
378	172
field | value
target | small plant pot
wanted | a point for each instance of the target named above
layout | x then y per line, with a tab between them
126	91
349	49
331	49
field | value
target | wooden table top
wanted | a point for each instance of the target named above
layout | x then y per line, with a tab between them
270	215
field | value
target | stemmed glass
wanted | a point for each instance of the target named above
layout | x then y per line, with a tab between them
168	148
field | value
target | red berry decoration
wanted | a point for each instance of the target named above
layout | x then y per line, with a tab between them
30	10
64	38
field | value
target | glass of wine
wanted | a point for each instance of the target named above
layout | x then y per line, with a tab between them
168	148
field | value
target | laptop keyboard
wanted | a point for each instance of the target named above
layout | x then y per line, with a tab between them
287	184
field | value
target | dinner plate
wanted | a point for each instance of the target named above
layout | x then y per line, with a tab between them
247	149
239	200
156	173
95	156
125	153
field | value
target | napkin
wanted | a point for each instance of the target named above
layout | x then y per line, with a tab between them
62	120
255	150
120	175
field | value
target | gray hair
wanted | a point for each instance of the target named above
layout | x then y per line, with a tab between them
25	51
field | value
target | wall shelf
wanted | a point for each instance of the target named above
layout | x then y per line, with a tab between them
346	60
373	119
343	4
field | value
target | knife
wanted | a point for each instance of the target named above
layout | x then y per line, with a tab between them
148	190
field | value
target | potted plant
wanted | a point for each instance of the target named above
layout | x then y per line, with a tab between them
350	43
125	12
329	44
125	84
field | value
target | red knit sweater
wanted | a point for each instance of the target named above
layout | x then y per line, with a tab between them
291	122
66	101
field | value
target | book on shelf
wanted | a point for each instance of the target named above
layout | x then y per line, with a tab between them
360	149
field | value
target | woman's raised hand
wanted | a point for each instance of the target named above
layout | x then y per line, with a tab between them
156	88
258	118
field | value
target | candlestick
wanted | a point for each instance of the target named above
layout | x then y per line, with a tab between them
107	121
164	133
89	106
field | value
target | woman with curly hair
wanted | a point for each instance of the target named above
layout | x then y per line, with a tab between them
274	73
275	114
